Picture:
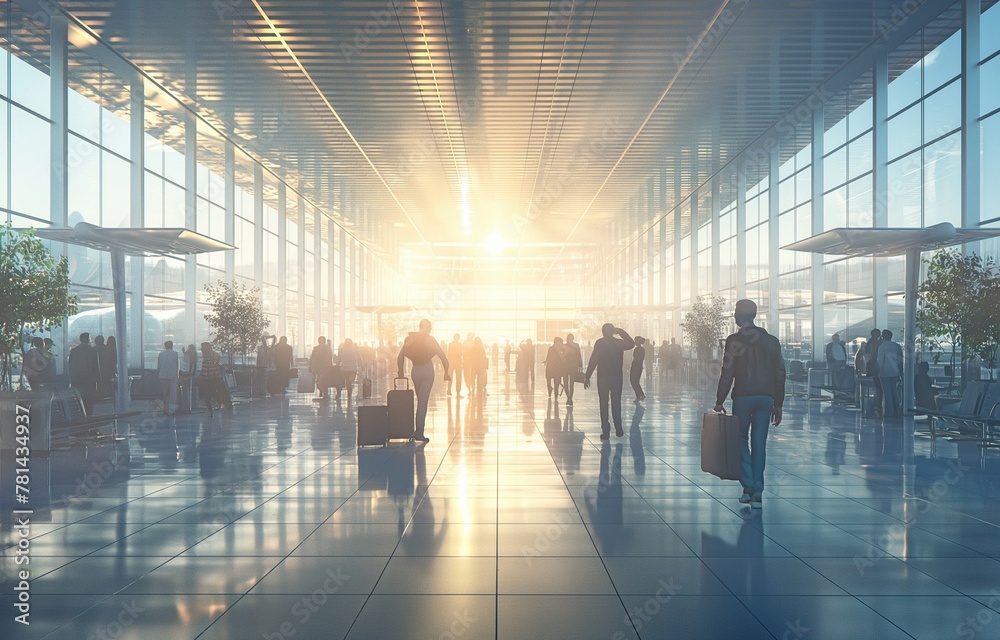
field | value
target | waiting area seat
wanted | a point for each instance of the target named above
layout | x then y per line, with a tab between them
976	416
70	422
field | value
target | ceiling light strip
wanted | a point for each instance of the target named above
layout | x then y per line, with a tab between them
569	98
692	50
298	63
437	87
548	118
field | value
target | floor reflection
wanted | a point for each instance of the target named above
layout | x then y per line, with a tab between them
217	526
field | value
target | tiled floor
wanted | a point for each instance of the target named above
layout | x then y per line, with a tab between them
516	521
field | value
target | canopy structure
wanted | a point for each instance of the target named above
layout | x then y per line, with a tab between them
894	242
133	242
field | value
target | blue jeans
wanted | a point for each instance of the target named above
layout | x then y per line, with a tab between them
754	413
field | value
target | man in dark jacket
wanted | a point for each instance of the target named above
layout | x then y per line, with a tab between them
85	371
607	359
753	361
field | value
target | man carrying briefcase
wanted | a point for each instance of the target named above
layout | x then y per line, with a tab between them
753	361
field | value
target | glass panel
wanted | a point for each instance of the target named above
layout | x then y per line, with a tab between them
153	210
835	209
859	202
4	150
84	116
904	192
174	208
116	191
989	86
943	63
943	182
859	156
943	111
30	175
989	31
29	86
4	71
904	132
835	169
905	89
990	145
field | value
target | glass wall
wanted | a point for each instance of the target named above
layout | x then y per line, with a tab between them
175	170
900	169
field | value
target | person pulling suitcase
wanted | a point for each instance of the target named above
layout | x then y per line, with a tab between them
753	367
420	347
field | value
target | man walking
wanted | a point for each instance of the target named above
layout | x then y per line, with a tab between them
890	369
607	358
421	348
168	372
752	360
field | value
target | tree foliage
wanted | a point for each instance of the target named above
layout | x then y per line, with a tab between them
34	290
236	317
959	306
705	324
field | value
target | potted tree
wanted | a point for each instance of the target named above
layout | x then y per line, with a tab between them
956	313
237	318
34	287
704	326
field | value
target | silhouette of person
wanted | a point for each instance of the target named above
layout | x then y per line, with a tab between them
890	370
753	367
573	359
85	371
321	366
555	368
455	360
871	365
836	361
607	358
923	387
421	348
635	372
281	355
664	356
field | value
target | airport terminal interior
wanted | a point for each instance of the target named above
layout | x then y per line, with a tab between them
504	174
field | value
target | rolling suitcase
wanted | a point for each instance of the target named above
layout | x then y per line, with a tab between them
720	445
400	403
366	388
373	425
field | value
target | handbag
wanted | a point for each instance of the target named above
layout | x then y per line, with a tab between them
578	375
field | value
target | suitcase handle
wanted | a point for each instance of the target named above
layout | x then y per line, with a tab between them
395	383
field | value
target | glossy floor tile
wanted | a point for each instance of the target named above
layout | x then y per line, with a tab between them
517	521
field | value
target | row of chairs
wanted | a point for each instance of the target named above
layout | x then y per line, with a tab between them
976	416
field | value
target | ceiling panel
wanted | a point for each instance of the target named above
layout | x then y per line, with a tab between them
448	121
